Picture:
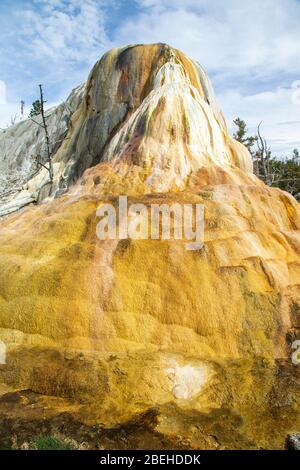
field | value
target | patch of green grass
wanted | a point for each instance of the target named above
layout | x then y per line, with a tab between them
49	443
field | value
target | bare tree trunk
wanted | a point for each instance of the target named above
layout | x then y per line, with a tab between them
49	157
263	155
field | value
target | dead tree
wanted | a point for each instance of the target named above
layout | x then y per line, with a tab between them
48	165
263	156
22	109
267	171
13	120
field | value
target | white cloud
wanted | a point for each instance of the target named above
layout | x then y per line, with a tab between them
280	116
7	110
64	32
2	93
231	35
55	42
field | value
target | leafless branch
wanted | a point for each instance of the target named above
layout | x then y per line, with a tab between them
38	123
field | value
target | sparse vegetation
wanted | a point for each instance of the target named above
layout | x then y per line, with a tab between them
241	134
50	443
36	108
40	442
281	172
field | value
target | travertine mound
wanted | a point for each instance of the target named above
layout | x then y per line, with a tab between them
141	106
122	326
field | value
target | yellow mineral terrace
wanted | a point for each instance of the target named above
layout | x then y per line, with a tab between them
193	347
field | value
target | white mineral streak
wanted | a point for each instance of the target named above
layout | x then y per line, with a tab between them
187	380
170	149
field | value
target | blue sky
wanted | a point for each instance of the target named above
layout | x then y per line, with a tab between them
251	51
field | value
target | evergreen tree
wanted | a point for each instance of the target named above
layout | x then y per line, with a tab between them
36	108
241	135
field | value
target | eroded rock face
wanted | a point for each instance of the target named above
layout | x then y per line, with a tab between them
125	326
21	181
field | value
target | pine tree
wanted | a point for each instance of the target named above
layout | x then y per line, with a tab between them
36	108
241	135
